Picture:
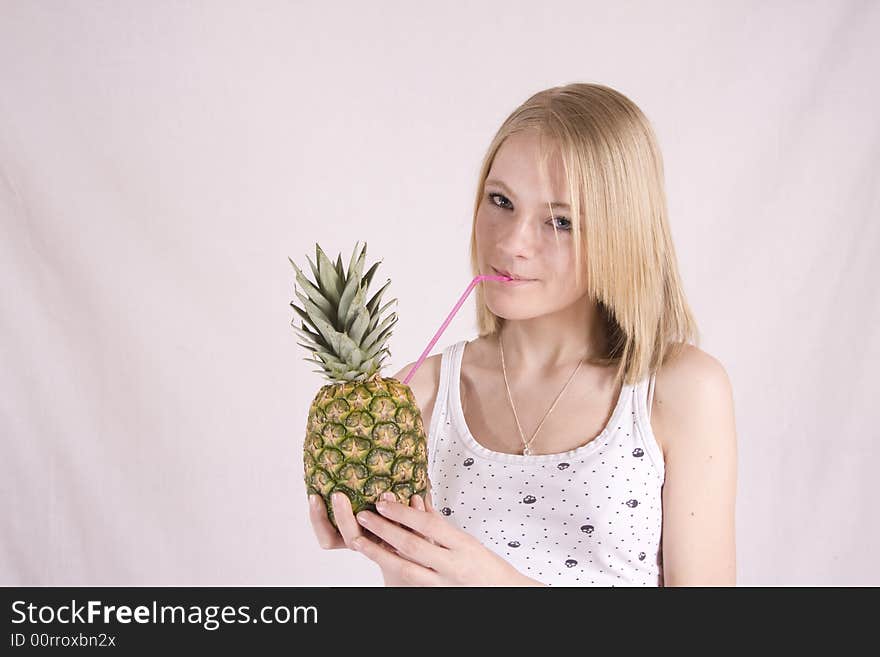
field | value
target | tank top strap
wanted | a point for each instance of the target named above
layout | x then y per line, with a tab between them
450	363
651	393
644	400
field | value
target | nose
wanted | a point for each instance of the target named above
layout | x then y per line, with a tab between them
517	238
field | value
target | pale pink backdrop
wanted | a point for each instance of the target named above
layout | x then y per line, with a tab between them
159	162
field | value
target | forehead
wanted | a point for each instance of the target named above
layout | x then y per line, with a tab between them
531	167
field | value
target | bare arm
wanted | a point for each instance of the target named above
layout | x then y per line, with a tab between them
699	495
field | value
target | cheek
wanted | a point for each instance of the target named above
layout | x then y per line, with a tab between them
563	269
484	227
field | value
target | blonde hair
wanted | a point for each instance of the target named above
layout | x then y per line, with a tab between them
619	219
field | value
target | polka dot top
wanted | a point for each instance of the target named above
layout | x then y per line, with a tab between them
591	516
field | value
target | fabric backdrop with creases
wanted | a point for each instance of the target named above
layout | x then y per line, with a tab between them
159	163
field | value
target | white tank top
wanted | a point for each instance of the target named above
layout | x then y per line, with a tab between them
591	516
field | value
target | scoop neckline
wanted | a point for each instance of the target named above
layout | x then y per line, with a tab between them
521	459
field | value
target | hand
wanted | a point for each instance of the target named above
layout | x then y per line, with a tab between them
328	536
421	548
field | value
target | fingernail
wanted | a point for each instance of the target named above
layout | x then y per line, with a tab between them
388	497
313	500
362	518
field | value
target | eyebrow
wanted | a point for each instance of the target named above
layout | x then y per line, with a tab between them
495	181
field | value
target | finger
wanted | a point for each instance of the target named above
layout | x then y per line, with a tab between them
328	536
418	502
429	525
407	542
399	568
344	517
425	503
325	532
391	497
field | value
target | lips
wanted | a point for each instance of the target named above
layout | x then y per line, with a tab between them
509	275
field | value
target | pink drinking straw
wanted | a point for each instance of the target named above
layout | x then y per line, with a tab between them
449	317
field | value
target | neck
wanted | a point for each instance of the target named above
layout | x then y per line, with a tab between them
549	342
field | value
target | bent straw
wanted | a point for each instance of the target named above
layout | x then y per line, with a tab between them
449	317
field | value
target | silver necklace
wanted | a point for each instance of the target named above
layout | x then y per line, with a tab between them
527	450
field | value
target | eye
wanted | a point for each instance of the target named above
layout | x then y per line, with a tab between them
491	196
565	226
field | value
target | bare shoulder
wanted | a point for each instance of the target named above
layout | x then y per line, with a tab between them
693	403
689	370
690	389
424	384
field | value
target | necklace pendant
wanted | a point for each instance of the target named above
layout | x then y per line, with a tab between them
527	451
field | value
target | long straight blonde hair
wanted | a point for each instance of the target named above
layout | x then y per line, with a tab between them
620	225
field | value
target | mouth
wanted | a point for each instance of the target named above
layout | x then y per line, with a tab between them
516	279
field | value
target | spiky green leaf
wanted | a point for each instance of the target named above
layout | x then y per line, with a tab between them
313	292
385	335
373	350
304	315
355	256
375	317
315	342
329	334
347	301
357	305
375	336
373	303
314	269
360	325
368	277
339	270
329	279
347	347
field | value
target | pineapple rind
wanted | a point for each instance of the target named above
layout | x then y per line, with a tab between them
355	443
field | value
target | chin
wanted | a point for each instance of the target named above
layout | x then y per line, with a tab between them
512	311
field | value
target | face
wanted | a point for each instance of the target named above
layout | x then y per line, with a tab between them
515	233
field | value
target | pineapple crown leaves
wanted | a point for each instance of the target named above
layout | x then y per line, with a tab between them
346	335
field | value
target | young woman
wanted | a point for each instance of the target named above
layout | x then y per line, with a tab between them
579	440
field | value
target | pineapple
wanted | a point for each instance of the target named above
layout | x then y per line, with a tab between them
364	434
